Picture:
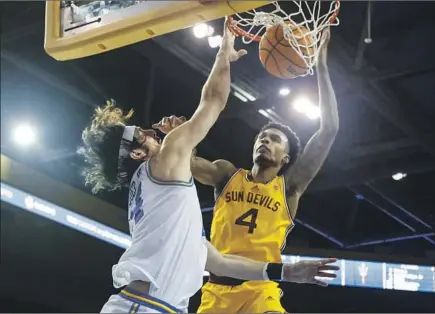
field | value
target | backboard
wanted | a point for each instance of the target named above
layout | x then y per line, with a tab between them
76	29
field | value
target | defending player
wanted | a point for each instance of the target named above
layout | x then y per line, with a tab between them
255	210
164	265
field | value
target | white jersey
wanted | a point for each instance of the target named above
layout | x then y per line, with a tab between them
168	240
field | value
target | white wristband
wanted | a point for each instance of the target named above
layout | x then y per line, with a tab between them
265	276
282	272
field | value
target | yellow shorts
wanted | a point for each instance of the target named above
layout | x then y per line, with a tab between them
249	297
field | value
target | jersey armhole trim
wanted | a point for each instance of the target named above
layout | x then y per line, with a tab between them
292	225
166	182
285	199
226	185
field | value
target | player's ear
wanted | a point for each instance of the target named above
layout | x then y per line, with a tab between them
286	159
138	154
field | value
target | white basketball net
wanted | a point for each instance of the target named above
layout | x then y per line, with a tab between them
308	15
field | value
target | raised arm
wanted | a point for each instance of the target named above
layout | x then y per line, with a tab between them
210	173
213	100
203	170
309	163
246	269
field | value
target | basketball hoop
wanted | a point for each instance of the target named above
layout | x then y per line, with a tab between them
302	28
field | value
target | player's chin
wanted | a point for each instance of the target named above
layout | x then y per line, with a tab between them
263	159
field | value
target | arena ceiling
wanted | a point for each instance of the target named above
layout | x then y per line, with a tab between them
385	90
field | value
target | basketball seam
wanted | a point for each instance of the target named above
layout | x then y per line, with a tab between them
274	59
279	42
271	55
274	48
285	57
289	60
283	37
268	56
269	52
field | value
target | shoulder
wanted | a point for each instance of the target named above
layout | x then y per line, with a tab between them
225	180
161	170
224	167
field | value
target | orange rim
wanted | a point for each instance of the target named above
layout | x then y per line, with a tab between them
237	30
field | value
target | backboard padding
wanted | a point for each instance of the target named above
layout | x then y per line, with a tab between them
160	19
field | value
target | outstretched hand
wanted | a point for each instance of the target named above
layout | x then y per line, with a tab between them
167	124
227	47
311	271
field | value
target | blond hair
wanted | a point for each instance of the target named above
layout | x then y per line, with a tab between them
101	140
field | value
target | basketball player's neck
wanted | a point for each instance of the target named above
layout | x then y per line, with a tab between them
263	174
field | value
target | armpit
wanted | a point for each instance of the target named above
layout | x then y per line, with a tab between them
220	186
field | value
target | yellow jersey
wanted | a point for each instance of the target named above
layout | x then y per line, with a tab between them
251	219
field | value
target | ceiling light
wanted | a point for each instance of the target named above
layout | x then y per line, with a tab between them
243	92
398	176
312	112
202	30
301	104
284	91
215	41
240	96
24	135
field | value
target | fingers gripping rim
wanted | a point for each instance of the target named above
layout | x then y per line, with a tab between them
302	27
236	30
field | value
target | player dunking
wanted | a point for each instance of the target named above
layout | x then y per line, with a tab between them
255	210
164	266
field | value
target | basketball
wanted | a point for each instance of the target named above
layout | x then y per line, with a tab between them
278	57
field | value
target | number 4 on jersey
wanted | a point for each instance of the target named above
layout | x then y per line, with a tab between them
248	219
